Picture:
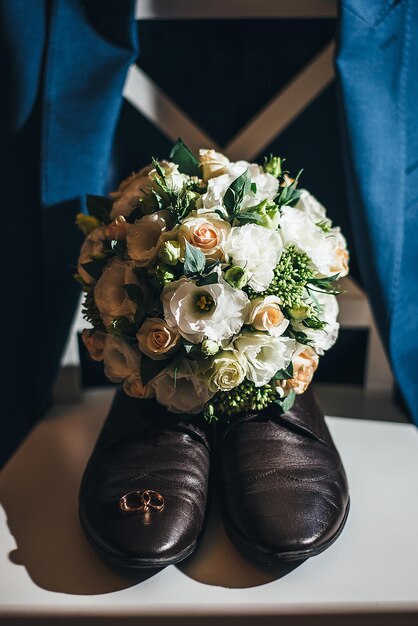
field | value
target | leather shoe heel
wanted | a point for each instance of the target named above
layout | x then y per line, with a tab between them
284	489
143	495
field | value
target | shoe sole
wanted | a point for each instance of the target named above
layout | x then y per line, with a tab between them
135	562
281	557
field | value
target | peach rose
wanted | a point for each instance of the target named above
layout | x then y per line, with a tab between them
305	362
156	339
95	343
265	314
208	232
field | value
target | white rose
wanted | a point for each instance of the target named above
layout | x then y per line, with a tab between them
133	387
322	340
143	237
110	295
214	311
92	247
266	185
140	184
156	339
265	314
305	361
207	232
224	371
183	390
298	228
314	209
257	250
265	355
120	359
213	164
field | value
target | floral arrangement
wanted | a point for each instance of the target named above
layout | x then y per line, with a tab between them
210	285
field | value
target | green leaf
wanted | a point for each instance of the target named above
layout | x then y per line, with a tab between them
135	293
139	316
209	279
253	187
249	218
150	369
95	268
324	282
100	207
185	159
287	403
194	260
285	373
190	347
236	192
314	322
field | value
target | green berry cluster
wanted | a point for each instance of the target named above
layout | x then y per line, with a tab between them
291	275
244	398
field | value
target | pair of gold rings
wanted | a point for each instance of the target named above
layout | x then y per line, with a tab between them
141	501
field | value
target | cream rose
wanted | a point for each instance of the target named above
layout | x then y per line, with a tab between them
133	387
182	390
143	237
95	343
305	361
213	164
264	355
156	339
109	293
341	256
91	249
121	360
265	314
224	371
207	232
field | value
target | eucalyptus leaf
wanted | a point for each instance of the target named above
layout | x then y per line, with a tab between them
100	207
194	260
150	369
285	373
209	279
135	293
248	218
185	159
287	402
95	268
236	192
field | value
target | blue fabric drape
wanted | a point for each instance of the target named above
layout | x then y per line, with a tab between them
63	65
377	65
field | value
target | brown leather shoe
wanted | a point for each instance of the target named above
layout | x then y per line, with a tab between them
143	495
284	489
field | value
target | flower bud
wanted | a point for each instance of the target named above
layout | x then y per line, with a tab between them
273	166
162	274
86	223
299	312
209	347
236	276
170	252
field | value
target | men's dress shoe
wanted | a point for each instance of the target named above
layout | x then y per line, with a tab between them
143	494
284	489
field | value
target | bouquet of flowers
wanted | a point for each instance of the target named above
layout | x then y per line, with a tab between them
210	285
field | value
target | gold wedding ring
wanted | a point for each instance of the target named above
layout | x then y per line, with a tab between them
141	501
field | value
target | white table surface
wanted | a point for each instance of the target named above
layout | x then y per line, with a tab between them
48	569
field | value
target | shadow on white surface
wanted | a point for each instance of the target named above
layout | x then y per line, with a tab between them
39	491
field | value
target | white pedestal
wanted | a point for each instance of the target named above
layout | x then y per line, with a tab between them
47	569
